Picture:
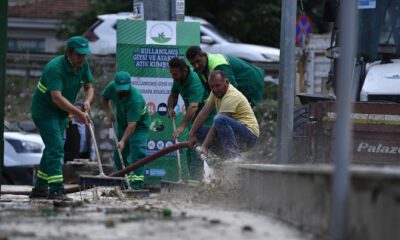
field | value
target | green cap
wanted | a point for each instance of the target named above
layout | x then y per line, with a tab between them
80	44
122	81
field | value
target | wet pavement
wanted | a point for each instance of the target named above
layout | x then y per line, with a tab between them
106	213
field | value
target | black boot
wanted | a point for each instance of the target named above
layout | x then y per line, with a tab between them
39	192
59	195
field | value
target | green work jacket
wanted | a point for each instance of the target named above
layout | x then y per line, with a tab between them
58	75
131	108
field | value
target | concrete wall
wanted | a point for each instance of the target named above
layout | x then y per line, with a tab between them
301	194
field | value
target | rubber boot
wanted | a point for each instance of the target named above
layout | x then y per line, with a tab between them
59	195
39	192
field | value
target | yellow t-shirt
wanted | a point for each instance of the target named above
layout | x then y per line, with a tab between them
236	104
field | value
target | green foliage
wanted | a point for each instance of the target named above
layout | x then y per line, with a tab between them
265	149
250	21
271	91
20	92
77	26
18	98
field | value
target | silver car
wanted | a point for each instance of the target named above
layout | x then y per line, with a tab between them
103	40
22	152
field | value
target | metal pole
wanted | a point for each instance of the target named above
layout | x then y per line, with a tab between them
343	126
3	41
286	81
162	10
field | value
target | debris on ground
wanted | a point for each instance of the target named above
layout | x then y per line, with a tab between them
166	212
110	217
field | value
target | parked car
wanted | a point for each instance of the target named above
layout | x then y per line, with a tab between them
22	152
214	41
103	37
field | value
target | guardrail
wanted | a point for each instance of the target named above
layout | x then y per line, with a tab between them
31	65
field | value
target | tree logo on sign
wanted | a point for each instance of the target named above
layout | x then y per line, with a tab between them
161	33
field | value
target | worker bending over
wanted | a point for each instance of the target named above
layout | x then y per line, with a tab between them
188	85
132	121
247	78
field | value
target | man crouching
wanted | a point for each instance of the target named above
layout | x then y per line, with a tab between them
235	128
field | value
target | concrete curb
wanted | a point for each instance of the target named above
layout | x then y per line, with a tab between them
301	194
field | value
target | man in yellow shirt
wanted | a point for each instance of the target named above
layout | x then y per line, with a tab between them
235	128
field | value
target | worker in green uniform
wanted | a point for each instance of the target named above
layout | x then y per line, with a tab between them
246	77
188	85
53	99
132	122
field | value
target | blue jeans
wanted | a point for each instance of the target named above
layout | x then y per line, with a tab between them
232	137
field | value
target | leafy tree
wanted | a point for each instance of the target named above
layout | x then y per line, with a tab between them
251	21
77	26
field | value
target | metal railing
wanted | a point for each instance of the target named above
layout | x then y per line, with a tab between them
31	64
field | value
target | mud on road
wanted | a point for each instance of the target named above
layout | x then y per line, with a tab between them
104	214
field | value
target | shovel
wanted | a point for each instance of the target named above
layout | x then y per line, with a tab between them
178	156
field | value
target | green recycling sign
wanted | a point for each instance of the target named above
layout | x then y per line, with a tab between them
144	49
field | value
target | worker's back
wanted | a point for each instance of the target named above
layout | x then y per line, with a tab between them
249	78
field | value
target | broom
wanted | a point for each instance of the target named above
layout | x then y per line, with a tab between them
101	179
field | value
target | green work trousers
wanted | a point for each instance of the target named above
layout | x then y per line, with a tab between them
51	130
195	165
134	150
